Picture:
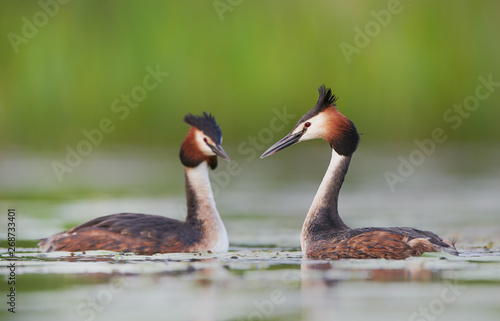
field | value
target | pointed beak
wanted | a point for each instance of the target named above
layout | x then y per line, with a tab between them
286	141
219	151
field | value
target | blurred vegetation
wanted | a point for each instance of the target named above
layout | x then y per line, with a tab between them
240	64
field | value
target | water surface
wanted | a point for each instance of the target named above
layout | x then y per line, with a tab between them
453	193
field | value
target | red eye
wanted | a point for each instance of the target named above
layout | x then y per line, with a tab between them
205	139
307	124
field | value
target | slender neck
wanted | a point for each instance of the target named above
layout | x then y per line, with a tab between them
201	211
323	214
199	196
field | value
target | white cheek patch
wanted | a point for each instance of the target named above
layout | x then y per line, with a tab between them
318	128
312	132
202	145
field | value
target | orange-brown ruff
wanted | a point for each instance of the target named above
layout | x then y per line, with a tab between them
324	234
148	234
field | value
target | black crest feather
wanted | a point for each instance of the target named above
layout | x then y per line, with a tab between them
326	99
206	124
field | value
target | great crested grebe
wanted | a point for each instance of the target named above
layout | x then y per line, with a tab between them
145	234
324	234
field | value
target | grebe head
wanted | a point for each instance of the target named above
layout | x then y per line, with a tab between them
203	141
322	121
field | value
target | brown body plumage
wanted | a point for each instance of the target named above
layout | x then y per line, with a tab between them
375	244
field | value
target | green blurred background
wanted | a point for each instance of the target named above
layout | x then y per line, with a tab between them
239	60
